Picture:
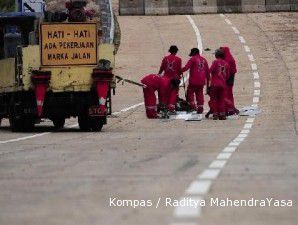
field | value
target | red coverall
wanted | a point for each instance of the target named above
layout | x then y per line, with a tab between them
152	82
198	75
219	74
171	66
230	104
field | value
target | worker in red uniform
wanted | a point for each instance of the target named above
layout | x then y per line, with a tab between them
230	104
220	73
151	85
171	67
199	75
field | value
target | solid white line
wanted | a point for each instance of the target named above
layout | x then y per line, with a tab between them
222	15
242	40
218	164
247	49
70	126
24	138
236	30
209	174
197	32
225	156
199	187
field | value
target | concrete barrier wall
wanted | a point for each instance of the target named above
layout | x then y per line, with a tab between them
165	7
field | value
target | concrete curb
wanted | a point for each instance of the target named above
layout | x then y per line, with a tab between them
172	7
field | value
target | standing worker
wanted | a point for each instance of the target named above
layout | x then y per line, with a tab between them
220	73
230	104
198	77
171	66
151	85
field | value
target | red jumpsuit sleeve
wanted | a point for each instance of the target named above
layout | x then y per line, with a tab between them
187	66
162	66
233	67
180	67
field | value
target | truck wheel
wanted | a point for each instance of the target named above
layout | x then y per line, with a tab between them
83	122
28	124
16	124
58	123
97	123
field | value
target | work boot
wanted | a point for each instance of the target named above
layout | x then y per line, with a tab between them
208	114
200	110
215	116
172	112
222	116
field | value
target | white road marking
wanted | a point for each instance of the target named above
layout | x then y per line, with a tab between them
247	49
248	126
251	57
70	126
256	99
209	174
256	75
245	131
228	21
230	149
250	120
257	84
242	40
199	187
218	164
254	66
235	30
224	155
188	211
257	92
197	32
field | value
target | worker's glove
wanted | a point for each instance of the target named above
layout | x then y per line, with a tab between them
175	83
230	81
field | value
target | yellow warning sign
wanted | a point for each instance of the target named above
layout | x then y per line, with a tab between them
68	44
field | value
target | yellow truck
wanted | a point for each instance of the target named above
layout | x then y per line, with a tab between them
55	69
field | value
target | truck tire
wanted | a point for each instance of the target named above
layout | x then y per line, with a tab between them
28	124
97	123
58	123
21	124
83	120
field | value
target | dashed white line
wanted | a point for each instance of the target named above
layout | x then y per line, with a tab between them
257	92
248	126
257	84
188	211
218	164
209	174
228	21
246	48
251	57
256	75
235	30
250	120
254	66
242	40
230	149
199	187
224	155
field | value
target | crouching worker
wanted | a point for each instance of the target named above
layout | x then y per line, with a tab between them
151	85
199	75
218	87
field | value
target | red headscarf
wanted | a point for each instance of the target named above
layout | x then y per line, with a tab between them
229	59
